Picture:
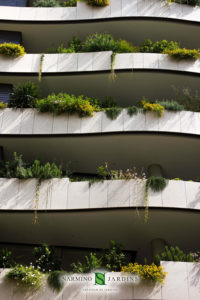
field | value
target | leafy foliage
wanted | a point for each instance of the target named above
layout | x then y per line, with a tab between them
65	103
113	112
132	110
158	47
124	46
91	262
183	53
188	2
113	258
156	183
12	50
146	272
100	42
173	254
171	105
46	258
98	2
24	96
17	168
46	3
54	280
28	277
6	259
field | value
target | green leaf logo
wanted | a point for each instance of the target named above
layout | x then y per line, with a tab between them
100	278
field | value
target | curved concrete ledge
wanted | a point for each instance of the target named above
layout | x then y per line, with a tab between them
184	286
31	122
116	9
60	194
96	62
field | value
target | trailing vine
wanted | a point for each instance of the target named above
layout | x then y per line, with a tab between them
41	66
37	194
113	56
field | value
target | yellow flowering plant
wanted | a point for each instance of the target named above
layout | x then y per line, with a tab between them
98	2
146	272
3	105
154	107
183	53
12	50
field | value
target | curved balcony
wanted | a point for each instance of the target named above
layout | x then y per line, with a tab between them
182	280
30	122
154	19
92	70
70	213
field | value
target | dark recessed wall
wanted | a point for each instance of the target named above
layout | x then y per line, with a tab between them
10	37
5	91
21	3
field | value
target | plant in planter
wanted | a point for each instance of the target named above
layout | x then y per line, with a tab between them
183	53
46	3
173	254
26	276
113	258
6	259
55	281
98	2
24	96
146	272
100	42
154	107
91	263
46	258
12	50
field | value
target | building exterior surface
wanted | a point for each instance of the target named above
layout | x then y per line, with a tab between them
77	217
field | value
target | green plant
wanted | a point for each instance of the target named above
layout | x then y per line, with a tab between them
12	50
55	281
69	3
158	47
91	262
46	258
146	272
190	101
100	42
65	103
188	2
75	45
25	276
6	259
173	254
156	183
183	53
3	105
41	67
126	47
24	96
45	171
171	105
113	258
113	112
98	2
46	3
154	107
132	110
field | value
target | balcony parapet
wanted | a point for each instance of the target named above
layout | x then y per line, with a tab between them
30	122
96	62
61	194
117	9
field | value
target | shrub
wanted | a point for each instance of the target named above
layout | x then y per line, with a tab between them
158	47
113	112
100	42
46	3
59	49
146	272
69	3
183	53
65	103
189	2
171	105
98	2
91	262
154	107
190	101
26	276
17	168
12	50
173	254
75	45
24	96
3	105
125	47
46	258
55	281
156	183
113	258
132	110
6	259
